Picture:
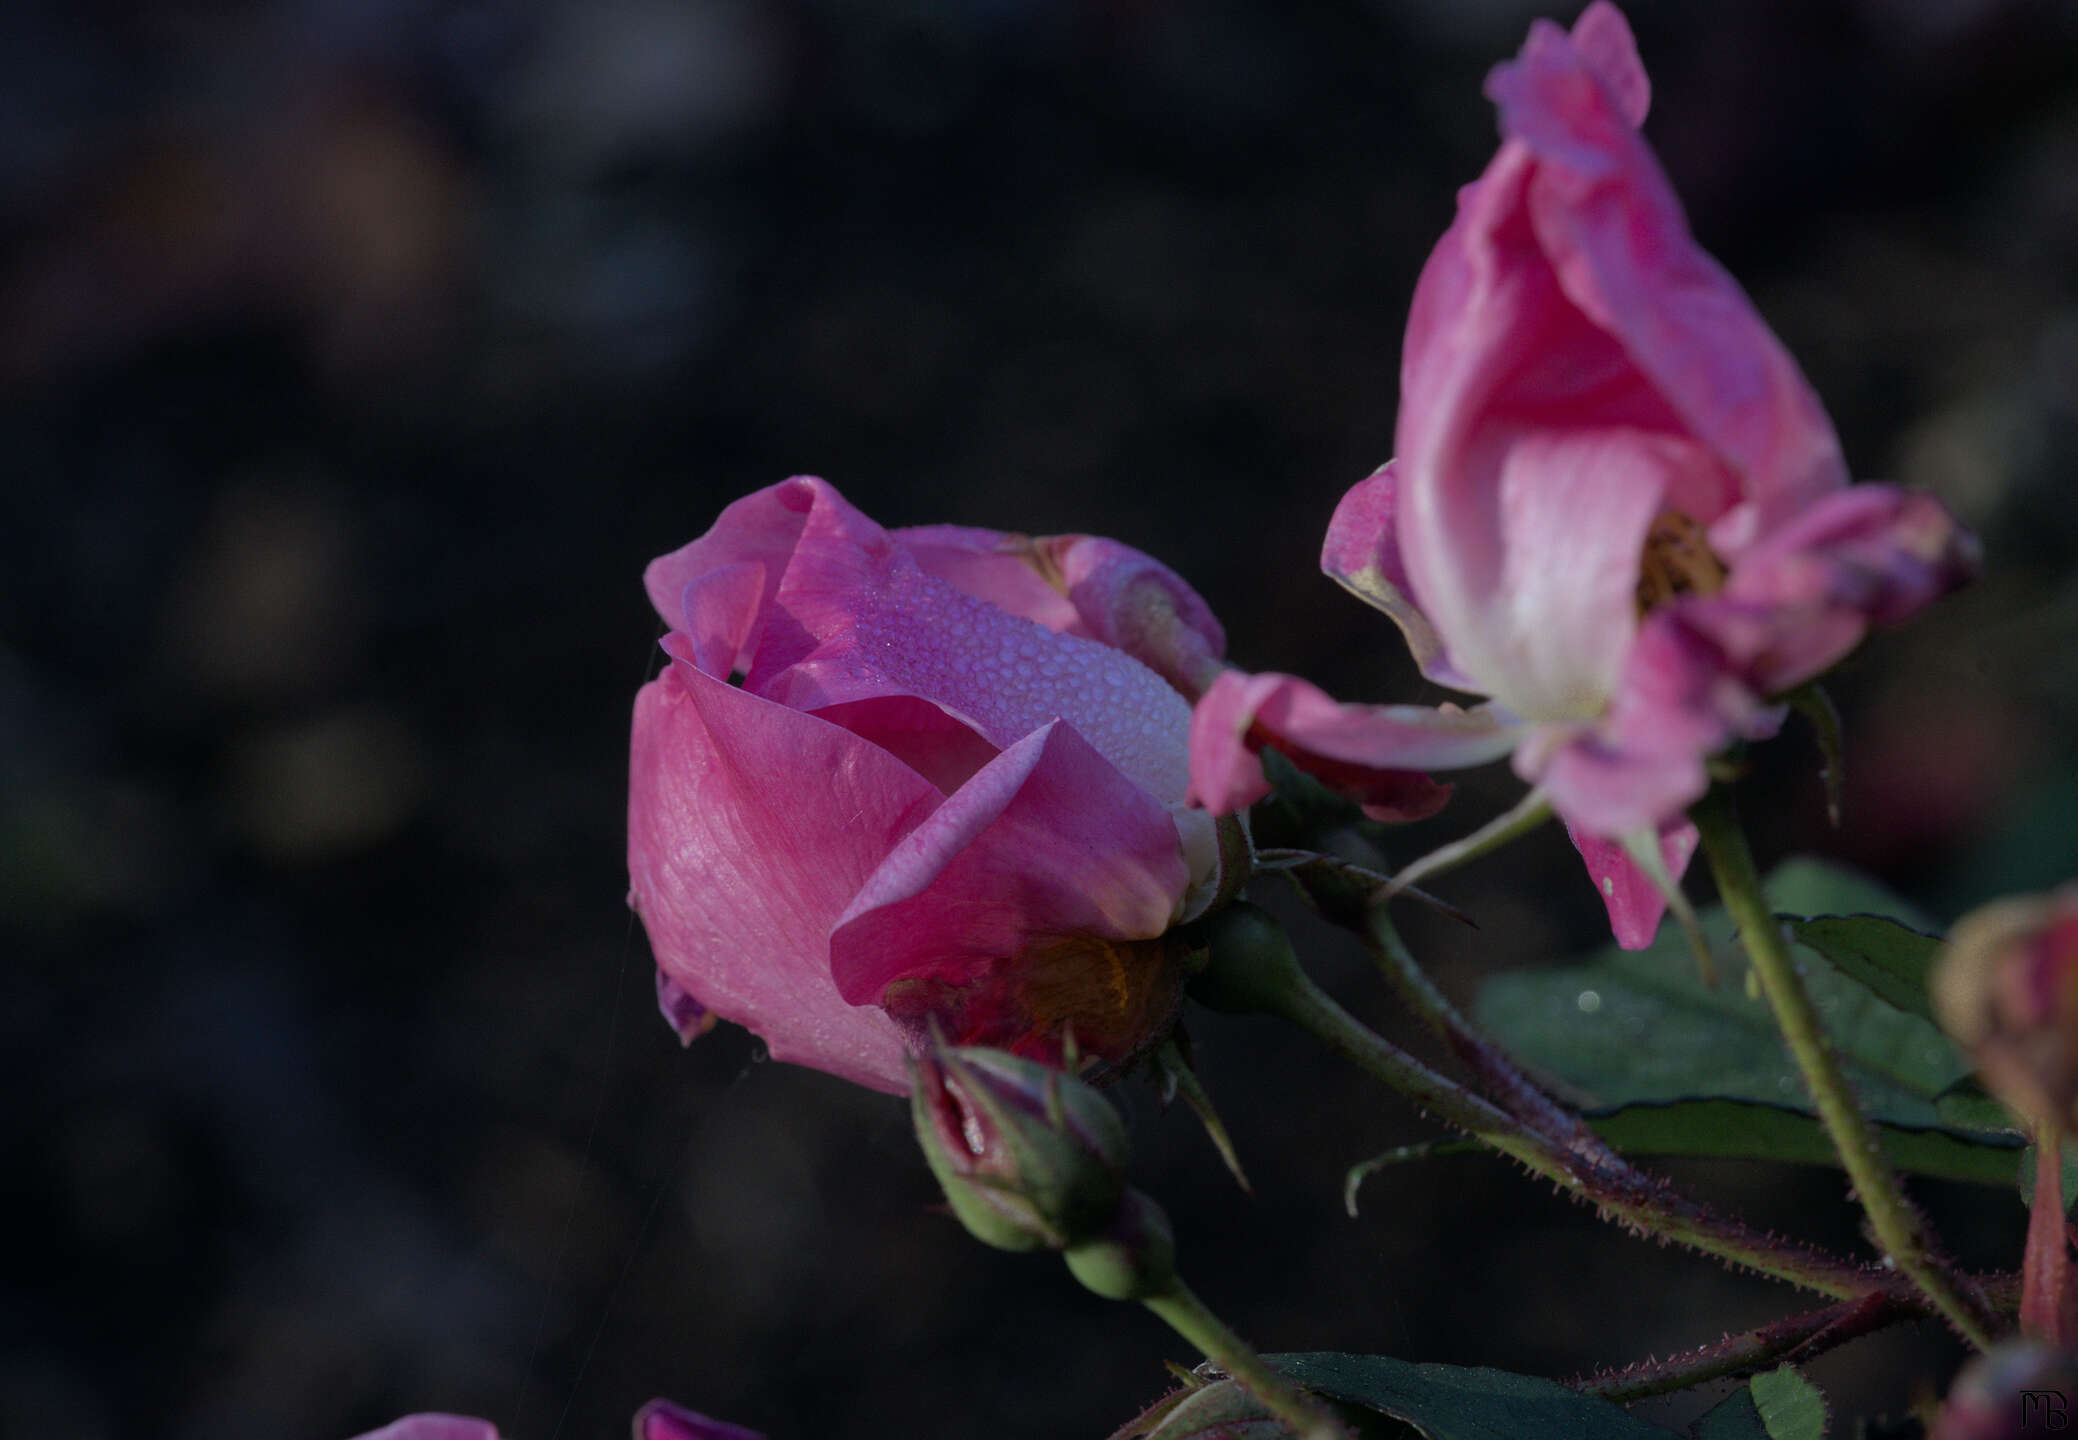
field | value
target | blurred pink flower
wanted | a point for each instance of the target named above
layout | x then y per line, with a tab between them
662	1420
434	1427
1618	510
658	1420
939	788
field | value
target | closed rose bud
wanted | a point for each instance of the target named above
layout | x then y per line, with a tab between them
1250	968
2006	987
2021	1389
1030	1158
898	781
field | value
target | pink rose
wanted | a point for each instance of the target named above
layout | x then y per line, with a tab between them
892	780
1618	510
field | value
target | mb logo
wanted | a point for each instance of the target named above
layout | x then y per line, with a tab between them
2046	1408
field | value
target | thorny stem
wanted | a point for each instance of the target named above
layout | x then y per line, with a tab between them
2045	1295
1189	1317
1899	1229
1492	1068
1643	1203
1790	1339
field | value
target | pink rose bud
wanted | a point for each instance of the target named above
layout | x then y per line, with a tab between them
891	781
2006	987
2017	1391
1030	1158
1619	512
662	1420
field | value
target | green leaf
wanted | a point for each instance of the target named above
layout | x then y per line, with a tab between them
2025	1179
1452	1402
1778	1405
1640	1026
1751	1130
1890	958
1965	1106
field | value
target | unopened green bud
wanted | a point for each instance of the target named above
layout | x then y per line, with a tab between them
1250	968
1134	1258
1030	1157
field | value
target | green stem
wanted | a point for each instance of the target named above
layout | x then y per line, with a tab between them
1189	1317
1494	1069
1900	1231
1643	1203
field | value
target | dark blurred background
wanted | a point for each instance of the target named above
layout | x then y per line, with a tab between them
356	354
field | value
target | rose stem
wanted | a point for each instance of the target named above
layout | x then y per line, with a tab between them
1191	1318
1899	1229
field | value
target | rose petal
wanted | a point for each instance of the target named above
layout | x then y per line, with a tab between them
738	877
1375	753
721	610
1131	601
1046	850
1634	902
1497	359
1001	567
1603	39
943	750
1642	764
1612	228
1362	554
1803	597
856	618
760	529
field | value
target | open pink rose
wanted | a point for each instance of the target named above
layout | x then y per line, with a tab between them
1618	510
892	780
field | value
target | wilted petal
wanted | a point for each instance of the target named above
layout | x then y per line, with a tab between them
1613	230
856	618
1803	597
1603	39
738	876
662	1420
434	1427
1012	909
681	1011
1374	753
1362	555
1634	902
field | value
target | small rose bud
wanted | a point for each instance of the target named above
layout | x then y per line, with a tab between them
1135	1256
1030	1157
2006	987
1250	968
2018	1390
